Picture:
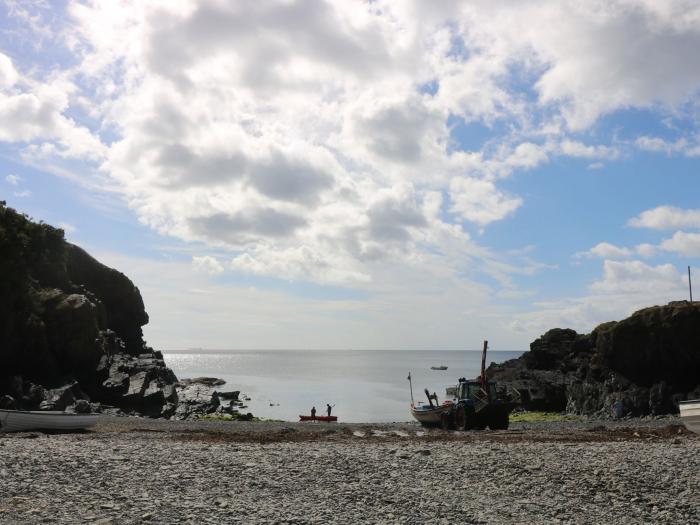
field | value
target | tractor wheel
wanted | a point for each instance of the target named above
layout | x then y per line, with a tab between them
460	418
477	421
499	420
472	419
446	421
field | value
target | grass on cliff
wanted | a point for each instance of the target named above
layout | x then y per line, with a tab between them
542	417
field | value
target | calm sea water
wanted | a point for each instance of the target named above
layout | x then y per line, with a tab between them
364	386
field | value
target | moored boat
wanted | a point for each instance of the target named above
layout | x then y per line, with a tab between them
22	421
327	419
690	414
441	367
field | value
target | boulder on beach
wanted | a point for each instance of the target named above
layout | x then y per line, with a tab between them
643	365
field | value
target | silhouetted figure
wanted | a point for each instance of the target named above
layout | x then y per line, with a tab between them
328	409
313	411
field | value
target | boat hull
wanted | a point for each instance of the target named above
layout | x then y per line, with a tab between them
690	414
327	419
23	421
428	416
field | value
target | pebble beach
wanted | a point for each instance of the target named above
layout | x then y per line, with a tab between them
133	470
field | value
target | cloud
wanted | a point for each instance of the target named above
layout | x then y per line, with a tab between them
607	251
207	264
480	201
23	194
681	145
624	287
14	180
636	277
667	218
687	244
578	149
321	132
37	114
8	73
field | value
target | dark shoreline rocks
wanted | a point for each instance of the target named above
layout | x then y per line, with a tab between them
642	365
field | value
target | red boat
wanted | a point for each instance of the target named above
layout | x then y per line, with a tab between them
327	419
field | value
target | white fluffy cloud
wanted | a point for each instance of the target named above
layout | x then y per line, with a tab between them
685	243
667	218
636	277
8	73
624	287
480	201
207	264
606	250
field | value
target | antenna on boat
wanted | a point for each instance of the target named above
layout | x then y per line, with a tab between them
690	285
410	385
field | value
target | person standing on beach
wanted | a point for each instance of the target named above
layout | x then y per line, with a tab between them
313	411
328	409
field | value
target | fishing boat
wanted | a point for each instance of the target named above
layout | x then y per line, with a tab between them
441	367
430	415
22	421
690	414
327	419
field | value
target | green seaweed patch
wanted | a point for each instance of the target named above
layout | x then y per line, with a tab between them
228	417
236	417
538	417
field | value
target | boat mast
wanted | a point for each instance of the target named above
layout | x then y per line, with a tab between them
483	366
690	285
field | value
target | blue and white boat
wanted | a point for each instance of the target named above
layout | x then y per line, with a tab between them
690	414
24	421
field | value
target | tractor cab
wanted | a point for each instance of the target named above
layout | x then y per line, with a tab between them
472	390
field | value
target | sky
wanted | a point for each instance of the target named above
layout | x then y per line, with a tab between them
294	174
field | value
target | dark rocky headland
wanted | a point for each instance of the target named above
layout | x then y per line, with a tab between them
71	334
642	365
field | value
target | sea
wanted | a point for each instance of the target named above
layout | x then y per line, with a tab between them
362	385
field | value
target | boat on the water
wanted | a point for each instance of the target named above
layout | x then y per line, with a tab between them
23	421
441	367
690	414
327	419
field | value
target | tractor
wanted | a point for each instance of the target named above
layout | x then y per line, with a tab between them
476	406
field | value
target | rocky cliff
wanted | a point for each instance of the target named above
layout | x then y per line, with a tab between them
71	335
641	365
70	328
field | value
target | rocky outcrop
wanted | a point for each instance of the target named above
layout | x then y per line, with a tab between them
71	328
641	365
124	312
201	396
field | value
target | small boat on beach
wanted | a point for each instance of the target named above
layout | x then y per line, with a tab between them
441	367
23	421
690	414
430	415
327	419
